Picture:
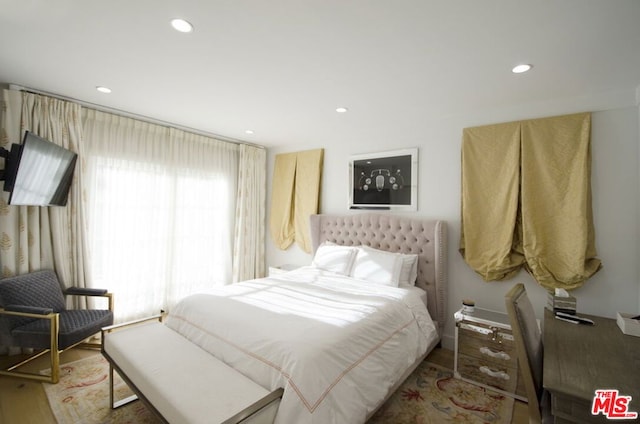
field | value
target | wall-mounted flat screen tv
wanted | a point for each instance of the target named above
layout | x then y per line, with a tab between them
38	172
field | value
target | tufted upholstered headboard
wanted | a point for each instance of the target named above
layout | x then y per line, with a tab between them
394	233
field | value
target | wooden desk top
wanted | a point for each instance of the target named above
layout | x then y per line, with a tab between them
578	359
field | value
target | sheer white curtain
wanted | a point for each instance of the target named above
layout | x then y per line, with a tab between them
160	211
248	253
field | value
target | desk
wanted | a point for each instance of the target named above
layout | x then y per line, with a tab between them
578	359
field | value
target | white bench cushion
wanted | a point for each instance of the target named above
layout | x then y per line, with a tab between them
182	381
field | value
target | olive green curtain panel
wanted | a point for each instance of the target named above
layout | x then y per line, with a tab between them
282	206
490	200
526	200
295	196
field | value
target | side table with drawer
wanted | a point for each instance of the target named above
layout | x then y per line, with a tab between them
485	353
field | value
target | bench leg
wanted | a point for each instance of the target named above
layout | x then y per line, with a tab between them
117	403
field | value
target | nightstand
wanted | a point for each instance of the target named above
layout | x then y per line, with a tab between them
485	353
281	269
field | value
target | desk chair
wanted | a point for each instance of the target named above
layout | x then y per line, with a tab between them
33	314
528	341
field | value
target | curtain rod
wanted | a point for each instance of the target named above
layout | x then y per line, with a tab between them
126	114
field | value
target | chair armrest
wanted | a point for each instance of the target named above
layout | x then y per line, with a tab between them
28	311
84	291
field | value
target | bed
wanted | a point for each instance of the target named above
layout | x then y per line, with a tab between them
338	345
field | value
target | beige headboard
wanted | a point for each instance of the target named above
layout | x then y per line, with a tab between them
395	233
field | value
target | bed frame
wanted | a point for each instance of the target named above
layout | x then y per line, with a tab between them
245	401
395	233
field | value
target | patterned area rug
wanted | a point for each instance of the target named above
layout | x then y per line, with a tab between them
82	395
432	395
429	395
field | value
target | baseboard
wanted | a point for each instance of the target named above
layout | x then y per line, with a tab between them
448	342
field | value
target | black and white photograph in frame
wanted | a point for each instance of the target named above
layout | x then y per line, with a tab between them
385	180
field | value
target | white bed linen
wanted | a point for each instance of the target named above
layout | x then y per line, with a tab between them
335	344
419	292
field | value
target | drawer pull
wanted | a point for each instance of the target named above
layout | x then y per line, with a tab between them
496	374
497	355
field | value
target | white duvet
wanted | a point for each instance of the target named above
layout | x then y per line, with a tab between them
335	344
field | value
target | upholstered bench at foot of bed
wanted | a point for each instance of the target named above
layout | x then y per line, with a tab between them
181	382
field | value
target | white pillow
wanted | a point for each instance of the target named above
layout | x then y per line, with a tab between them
377	266
334	258
409	270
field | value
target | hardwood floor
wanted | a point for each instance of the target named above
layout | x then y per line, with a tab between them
24	401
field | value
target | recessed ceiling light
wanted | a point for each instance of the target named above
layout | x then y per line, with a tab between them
341	109
102	89
249	132
181	25
521	68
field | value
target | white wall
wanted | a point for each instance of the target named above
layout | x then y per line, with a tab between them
638	188
615	184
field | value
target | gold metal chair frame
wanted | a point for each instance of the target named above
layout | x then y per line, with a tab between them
53	350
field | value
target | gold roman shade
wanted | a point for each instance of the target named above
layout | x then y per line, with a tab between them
295	196
526	200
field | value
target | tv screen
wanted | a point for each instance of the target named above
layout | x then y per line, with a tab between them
38	172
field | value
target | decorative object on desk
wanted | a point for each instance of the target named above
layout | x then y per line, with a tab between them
386	180
432	395
629	323
82	395
573	318
561	301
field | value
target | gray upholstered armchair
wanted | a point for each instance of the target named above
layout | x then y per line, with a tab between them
33	314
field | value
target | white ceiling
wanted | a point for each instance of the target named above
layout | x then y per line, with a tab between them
281	67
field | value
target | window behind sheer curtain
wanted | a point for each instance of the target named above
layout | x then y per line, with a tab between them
160	212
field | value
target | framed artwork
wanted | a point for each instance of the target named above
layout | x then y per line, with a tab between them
385	180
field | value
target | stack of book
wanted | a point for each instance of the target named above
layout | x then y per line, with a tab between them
566	304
